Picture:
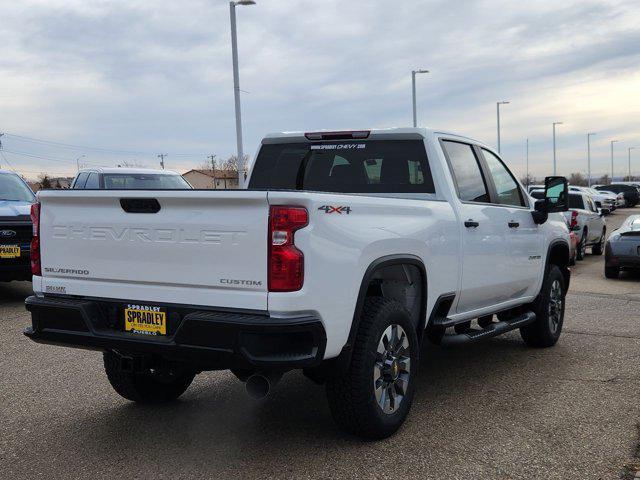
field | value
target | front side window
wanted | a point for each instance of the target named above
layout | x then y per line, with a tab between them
466	172
506	186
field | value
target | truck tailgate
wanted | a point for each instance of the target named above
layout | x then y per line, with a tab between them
201	248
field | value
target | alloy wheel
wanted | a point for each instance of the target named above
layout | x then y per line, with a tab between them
555	306
392	369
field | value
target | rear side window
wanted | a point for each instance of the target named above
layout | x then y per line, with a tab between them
466	172
575	201
373	166
80	180
93	181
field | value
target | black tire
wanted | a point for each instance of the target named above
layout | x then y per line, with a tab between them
582	246
545	331
598	248
145	388
352	396
611	272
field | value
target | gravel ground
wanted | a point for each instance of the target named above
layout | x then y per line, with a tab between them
494	410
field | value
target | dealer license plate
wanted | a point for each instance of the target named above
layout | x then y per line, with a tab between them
145	320
9	251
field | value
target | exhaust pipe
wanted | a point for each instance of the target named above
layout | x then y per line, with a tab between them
259	384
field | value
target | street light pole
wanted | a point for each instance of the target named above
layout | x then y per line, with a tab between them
612	142
498	115
630	148
527	163
78	161
236	84
413	94
554	146
589	135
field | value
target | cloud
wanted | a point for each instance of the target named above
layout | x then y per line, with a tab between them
156	76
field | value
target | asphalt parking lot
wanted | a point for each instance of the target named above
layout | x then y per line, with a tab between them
495	410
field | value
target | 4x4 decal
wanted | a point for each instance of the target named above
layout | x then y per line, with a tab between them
332	209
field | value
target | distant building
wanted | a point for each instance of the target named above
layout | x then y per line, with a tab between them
212	179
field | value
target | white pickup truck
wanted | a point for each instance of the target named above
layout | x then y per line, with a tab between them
345	253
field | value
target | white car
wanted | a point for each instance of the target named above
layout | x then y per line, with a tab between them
586	220
601	199
128	179
620	201
347	251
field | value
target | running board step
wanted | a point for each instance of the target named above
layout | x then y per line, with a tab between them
492	330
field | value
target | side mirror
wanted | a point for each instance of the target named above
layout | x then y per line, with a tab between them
604	211
556	199
556	194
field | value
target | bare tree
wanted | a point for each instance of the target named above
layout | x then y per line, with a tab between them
44	180
604	180
578	179
231	164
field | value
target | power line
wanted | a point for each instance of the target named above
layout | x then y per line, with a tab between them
51	159
85	147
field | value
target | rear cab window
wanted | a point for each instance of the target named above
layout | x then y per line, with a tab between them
353	166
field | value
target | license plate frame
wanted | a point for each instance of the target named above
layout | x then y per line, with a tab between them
148	320
10	251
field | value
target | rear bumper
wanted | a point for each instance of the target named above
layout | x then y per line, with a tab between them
207	339
17	270
623	261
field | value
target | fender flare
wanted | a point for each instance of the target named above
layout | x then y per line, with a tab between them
340	363
565	271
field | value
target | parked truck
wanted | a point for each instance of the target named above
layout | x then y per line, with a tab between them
346	253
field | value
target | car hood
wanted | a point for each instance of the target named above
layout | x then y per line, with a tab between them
10	209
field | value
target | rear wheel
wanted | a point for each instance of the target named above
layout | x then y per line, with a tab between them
549	310
598	248
372	399
156	387
611	272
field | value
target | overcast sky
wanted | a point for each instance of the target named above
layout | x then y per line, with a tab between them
148	77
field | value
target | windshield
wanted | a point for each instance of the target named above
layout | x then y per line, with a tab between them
142	181
12	188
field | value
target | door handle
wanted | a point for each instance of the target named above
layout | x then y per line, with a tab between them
471	223
513	224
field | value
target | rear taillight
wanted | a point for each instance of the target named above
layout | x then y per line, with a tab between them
286	262
36	267
574	220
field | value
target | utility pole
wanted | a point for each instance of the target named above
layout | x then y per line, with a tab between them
213	168
161	157
213	162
